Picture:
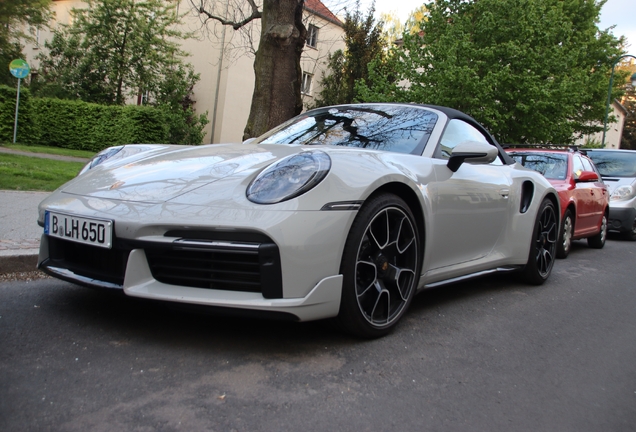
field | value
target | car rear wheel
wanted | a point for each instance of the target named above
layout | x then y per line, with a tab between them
598	241
380	266
565	239
543	246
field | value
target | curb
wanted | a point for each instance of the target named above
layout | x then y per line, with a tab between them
14	261
43	155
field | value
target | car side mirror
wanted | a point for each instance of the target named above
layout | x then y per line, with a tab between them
473	152
249	140
587	176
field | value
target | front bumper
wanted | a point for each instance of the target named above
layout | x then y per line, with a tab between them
139	280
621	218
294	271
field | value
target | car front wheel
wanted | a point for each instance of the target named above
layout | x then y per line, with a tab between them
380	266
630	234
543	246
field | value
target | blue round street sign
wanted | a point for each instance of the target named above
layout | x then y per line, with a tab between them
19	68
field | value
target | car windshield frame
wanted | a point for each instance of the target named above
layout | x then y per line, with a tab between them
614	163
393	128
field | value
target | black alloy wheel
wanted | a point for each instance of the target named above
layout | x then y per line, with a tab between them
544	243
380	266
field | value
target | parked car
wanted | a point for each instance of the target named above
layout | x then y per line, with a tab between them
343	212
583	195
618	169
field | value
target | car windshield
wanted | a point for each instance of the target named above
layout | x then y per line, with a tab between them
393	128
551	165
614	164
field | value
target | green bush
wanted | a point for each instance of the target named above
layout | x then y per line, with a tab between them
26	123
86	126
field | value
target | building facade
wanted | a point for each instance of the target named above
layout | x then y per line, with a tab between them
224	59
614	132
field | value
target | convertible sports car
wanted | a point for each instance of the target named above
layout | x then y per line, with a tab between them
343	212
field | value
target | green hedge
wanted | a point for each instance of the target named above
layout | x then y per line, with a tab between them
86	126
26	121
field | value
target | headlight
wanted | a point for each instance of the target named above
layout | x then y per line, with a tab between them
101	157
289	177
624	192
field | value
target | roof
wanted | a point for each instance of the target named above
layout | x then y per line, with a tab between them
620	106
318	8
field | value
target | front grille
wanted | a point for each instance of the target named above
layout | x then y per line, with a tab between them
250	264
92	262
205	269
207	264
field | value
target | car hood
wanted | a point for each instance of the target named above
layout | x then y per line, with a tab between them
160	176
614	182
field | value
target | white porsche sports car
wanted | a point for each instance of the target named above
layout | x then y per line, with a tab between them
343	212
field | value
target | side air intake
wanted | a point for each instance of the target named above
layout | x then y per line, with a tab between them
527	194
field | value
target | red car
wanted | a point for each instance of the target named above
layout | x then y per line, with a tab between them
583	195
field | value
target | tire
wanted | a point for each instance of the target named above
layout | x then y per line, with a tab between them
598	241
630	234
380	267
543	246
565	238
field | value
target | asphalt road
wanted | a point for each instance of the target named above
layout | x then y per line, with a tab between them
489	355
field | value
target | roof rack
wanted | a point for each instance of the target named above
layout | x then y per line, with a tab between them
569	147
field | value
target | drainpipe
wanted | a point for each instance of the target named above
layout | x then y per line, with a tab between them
218	78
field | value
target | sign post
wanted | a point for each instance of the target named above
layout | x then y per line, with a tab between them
19	69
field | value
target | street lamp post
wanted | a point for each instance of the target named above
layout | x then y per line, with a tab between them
609	93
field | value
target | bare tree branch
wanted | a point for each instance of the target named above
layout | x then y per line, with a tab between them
256	14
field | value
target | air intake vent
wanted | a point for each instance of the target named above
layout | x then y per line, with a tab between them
222	265
100	264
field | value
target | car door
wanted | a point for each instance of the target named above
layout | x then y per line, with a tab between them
598	192
584	197
470	206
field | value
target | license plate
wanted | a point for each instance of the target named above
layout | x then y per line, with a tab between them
96	232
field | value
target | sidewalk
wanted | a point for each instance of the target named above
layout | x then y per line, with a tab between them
19	230
42	155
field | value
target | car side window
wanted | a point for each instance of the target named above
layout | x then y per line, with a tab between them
456	132
577	166
587	165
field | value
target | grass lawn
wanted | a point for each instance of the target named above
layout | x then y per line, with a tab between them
35	174
50	150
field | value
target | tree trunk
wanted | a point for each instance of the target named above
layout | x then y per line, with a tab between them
277	66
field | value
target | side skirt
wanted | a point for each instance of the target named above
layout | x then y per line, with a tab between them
472	276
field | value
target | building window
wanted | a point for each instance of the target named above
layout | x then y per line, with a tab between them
312	36
305	87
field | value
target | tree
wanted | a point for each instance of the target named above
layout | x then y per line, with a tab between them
14	16
114	49
392	28
628	140
277	69
118	49
416	16
364	41
533	71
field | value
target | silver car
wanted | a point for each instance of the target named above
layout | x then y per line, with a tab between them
343	212
618	168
